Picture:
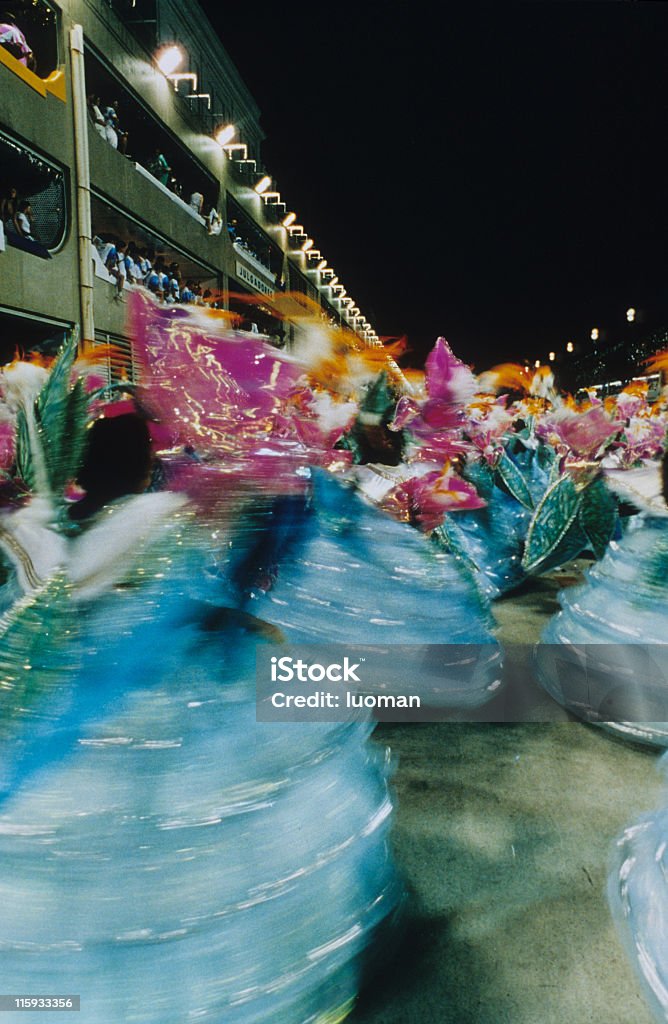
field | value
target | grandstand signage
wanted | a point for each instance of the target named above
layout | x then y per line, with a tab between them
249	278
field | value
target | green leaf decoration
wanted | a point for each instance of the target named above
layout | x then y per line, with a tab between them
555	472
75	438
550	524
25	466
481	475
449	538
572	544
598	515
547	457
37	637
52	412
512	480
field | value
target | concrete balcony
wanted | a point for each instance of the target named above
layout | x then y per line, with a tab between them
144	199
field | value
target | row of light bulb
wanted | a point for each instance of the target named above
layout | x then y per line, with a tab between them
290	225
168	60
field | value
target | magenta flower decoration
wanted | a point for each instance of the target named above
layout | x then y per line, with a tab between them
320	420
437	422
424	500
643	438
447	379
486	424
582	434
406	413
630	405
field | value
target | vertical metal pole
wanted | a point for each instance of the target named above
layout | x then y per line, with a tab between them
79	103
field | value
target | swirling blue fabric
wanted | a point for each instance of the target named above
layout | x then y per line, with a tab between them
357	576
603	655
161	853
638	894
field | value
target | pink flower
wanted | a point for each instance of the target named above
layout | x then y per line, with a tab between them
426	499
449	385
629	405
643	438
406	412
486	425
447	379
584	434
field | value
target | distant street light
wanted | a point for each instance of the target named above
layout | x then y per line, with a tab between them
594	334
569	346
537	363
552	357
630	314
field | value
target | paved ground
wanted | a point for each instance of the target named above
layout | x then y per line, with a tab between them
504	833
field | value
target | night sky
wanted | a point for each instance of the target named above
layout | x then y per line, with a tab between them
495	175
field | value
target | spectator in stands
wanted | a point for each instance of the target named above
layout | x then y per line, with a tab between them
197	202
115	135
111	257
109	131
187	293
23	220
152	281
13	39
8	207
145	264
96	115
115	264
132	267
159	167
103	248
173	291
214	222
158	279
232	230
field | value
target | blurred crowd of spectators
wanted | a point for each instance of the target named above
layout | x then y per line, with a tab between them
127	263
